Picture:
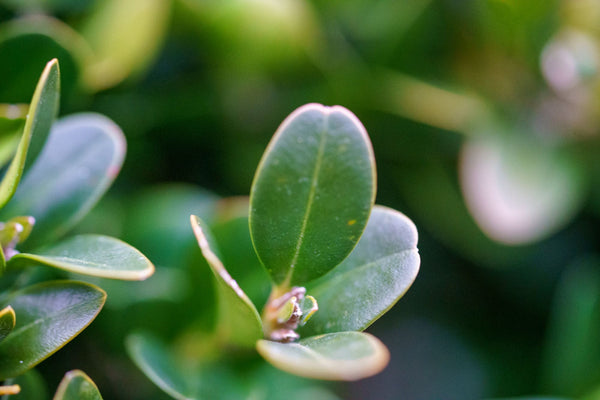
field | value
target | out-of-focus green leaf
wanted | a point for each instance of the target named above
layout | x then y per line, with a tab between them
25	6
573	351
312	193
125	37
238	320
517	191
76	385
50	315
12	122
152	357
94	255
157	220
369	282
32	386
438	204
82	157
345	356
230	231
7	321
26	45
42	111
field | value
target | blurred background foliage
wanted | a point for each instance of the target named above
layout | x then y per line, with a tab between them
485	121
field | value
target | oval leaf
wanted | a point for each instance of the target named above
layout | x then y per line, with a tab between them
7	321
94	255
120	47
238	320
50	315
312	193
42	112
81	159
343	356
370	281
153	358
76	385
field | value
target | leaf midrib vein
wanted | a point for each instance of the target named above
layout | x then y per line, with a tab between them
311	196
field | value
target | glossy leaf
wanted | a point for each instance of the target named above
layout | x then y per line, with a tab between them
94	255
312	193
42	111
120	47
345	356
81	159
152	357
49	316
76	385
370	281
7	321
238	320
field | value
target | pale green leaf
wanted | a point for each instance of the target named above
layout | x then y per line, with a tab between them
7	321
345	356
94	255
82	157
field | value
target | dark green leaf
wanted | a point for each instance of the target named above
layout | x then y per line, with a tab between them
7	321
344	356
76	385
572	349
152	357
312	193
369	282
81	159
94	255
49	316
42	111
32	386
238	320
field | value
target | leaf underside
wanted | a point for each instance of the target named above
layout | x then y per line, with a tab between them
238	320
343	356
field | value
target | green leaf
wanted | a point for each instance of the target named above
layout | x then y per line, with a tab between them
32	386
157	221
114	58
238	320
76	385
26	45
50	315
344	356
7	321
81	159
94	255
370	281
153	358
572	350
312	193
42	111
